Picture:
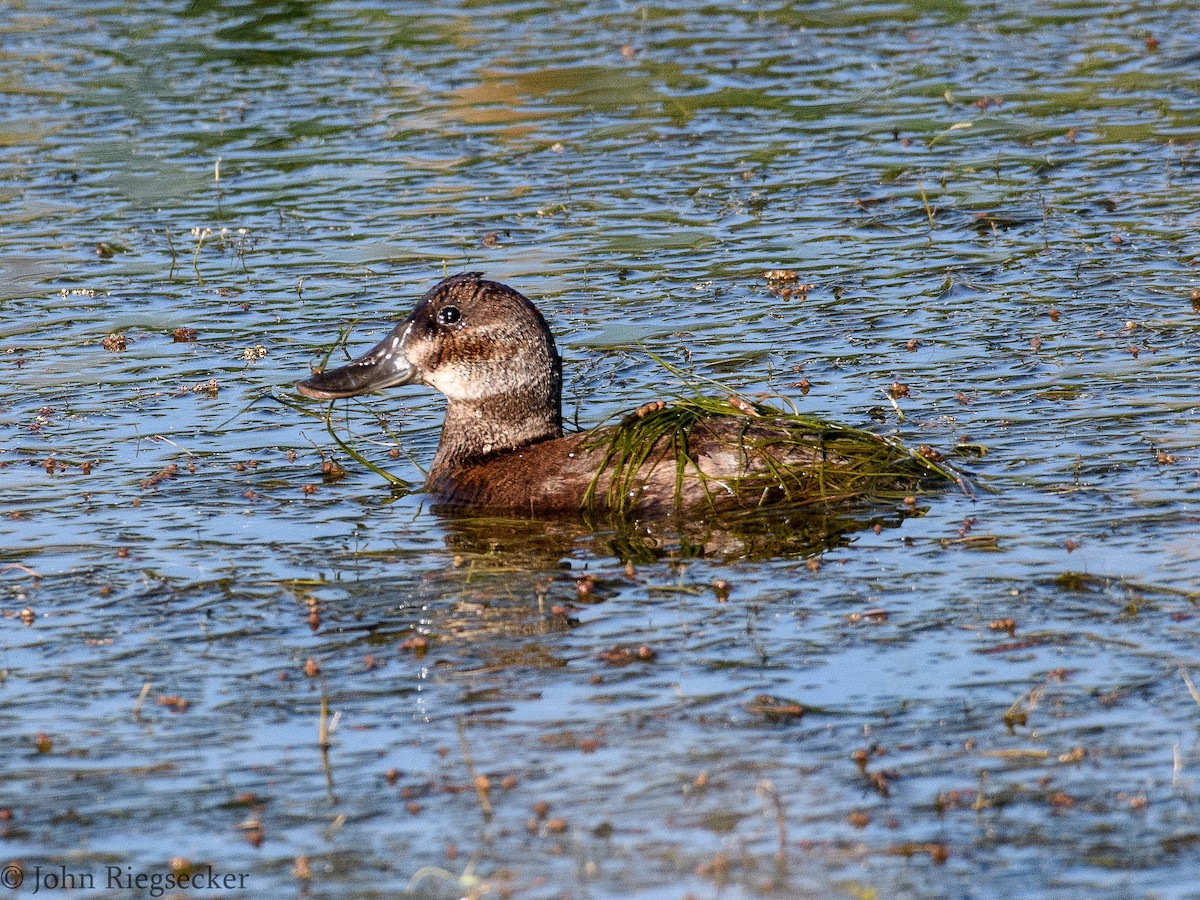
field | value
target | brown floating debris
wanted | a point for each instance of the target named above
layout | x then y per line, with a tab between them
780	277
175	704
417	645
785	284
252	831
870	615
483	788
1009	625
204	387
1137	801
776	709
955	799
160	476
623	656
114	343
585	587
716	869
880	780
1061	800
938	852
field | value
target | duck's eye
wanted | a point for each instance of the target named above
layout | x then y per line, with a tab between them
448	315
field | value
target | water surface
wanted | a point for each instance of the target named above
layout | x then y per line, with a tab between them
994	204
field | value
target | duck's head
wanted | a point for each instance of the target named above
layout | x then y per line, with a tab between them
482	344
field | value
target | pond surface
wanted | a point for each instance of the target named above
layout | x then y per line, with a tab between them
992	204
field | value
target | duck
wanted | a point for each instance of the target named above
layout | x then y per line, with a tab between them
487	348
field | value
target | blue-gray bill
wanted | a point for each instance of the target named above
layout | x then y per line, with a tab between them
384	365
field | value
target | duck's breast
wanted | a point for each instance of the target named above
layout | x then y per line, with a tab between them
550	476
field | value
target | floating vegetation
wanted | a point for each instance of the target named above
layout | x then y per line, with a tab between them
783	459
114	343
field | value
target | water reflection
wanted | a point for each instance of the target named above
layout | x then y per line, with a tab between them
777	534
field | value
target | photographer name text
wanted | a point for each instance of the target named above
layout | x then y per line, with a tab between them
113	878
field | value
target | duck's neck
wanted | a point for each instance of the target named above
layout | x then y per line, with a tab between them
474	430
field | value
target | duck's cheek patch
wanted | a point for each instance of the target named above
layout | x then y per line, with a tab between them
458	382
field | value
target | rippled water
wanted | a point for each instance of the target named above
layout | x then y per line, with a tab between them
994	204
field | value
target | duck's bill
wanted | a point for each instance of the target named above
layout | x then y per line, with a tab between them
384	365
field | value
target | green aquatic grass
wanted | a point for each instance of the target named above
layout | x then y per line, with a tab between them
805	460
326	419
